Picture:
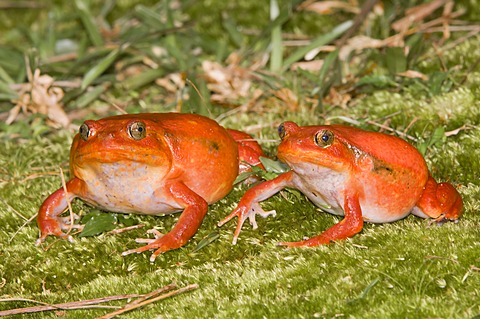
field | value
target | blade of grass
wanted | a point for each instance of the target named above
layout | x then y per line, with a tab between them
5	77
321	40
395	60
199	101
108	6
6	93
81	64
149	17
47	46
230	25
328	62
210	238
171	41
276	44
142	79
88	22
6	97
91	95
13	63
282	18
98	69
365	291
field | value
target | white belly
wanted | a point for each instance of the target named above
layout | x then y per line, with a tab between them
128	188
327	188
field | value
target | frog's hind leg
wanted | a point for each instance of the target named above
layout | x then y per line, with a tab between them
249	151
349	226
188	223
440	202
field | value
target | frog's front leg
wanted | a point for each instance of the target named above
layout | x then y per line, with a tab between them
349	226
190	220
248	206
49	220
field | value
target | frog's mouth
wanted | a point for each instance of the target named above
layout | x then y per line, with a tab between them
297	158
119	156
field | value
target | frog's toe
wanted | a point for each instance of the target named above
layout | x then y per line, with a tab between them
162	243
134	251
155	254
257	210
147	241
442	219
58	233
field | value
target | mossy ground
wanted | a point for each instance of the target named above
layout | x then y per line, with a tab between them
415	269
406	269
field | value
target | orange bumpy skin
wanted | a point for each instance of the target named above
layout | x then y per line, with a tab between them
361	175
152	163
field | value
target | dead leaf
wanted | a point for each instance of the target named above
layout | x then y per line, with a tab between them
40	96
125	72
458	130
359	43
288	97
173	82
414	75
417	14
328	7
227	83
312	66
336	98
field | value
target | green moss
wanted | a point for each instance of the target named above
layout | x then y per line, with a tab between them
415	270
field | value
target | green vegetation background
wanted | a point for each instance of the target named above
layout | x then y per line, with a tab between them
406	269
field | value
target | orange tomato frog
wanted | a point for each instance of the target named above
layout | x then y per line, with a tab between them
151	163
361	175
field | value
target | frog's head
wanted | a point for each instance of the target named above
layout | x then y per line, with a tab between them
318	145
123	139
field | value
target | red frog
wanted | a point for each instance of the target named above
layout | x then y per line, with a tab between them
361	175
152	163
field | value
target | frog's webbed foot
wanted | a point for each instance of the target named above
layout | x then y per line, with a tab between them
440	220
243	212
147	241
68	223
257	210
160	242
60	227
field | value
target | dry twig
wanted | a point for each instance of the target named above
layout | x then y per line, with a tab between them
125	229
147	299
142	300
90	303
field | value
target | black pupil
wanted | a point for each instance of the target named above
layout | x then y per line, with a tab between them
325	137
140	129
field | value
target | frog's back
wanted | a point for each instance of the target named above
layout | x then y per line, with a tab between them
204	153
384	148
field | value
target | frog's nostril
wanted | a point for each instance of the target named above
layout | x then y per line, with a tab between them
287	128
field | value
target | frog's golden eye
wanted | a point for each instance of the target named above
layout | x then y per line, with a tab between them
323	138
137	130
281	131
84	131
